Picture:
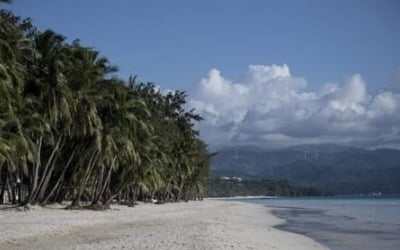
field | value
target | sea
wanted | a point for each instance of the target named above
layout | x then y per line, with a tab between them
342	223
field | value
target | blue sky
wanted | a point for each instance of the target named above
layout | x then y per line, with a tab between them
175	43
272	73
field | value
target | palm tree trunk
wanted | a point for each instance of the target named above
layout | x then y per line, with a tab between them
48	168
19	187
106	182
119	197
165	193
92	162
3	176
46	182
35	171
60	179
103	183
178	198
50	164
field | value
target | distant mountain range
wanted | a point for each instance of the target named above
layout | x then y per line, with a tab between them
330	167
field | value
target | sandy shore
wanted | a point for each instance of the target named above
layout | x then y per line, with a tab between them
209	224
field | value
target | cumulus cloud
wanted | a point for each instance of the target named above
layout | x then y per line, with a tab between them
270	107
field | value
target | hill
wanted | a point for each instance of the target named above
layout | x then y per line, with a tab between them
330	167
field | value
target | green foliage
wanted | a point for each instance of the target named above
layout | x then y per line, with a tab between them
69	130
331	168
229	188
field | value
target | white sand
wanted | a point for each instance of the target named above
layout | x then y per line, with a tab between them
208	224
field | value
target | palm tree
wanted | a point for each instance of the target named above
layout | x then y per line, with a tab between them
16	148
71	131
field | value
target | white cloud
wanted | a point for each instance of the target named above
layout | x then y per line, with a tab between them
269	106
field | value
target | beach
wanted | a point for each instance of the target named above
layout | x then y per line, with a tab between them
208	224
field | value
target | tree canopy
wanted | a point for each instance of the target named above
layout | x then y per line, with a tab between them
71	130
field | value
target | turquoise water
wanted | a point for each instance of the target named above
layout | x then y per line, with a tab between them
342	223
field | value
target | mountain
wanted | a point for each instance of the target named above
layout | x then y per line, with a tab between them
330	167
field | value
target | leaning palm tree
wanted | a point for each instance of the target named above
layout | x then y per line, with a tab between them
69	131
15	146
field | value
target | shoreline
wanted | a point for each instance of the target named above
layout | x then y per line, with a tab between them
208	224
343	223
250	197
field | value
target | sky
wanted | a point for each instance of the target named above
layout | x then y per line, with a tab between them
272	73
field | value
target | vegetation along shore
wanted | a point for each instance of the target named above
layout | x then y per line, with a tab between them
71	130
